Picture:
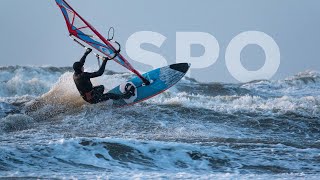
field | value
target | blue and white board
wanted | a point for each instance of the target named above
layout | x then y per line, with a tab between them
161	79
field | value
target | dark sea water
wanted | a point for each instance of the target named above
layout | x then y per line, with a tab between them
256	130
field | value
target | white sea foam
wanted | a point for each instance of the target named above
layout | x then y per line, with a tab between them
18	81
308	106
303	84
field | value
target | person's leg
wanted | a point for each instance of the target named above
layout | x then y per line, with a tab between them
99	89
98	95
108	96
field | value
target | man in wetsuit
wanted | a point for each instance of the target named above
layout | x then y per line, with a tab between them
88	92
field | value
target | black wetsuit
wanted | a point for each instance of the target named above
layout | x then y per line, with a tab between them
88	92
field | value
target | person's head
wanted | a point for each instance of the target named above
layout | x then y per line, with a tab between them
78	67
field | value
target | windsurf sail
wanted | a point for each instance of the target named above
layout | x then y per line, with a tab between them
82	32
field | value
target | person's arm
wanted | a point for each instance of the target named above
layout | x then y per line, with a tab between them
83	59
99	72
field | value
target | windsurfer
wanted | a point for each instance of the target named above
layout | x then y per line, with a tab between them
90	93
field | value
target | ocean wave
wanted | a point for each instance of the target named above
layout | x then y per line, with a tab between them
121	155
308	106
303	84
16	122
18	81
6	108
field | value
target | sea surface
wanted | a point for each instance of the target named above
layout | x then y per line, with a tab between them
256	130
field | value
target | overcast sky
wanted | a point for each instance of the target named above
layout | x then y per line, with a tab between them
34	32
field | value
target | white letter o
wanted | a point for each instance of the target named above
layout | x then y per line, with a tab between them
233	53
